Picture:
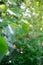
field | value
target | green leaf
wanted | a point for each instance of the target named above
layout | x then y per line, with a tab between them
3	47
25	27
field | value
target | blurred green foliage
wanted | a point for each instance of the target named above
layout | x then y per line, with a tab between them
21	27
